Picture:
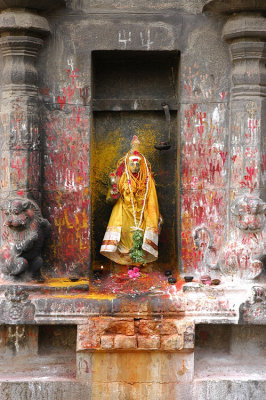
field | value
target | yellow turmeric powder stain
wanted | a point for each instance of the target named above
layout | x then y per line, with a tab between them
105	155
64	282
92	296
67	283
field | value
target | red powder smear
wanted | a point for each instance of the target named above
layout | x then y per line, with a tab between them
121	283
179	284
264	162
120	170
20	192
223	155
147	283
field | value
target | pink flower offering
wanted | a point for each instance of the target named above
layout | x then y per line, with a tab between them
206	280
134	273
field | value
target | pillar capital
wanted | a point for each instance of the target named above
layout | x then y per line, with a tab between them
43	5
21	22
21	33
233	6
246	35
245	25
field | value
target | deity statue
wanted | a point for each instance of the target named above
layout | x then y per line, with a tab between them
132	233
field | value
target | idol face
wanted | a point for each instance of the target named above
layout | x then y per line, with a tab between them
134	165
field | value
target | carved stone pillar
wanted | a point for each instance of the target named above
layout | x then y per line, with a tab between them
22	32
21	39
245	33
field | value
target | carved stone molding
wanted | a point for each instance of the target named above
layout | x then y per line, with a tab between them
253	311
242	256
17	307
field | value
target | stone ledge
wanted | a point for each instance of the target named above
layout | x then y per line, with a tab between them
66	302
64	287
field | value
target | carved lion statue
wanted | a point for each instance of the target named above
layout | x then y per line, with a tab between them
24	231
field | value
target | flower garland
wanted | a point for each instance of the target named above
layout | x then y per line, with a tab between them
136	253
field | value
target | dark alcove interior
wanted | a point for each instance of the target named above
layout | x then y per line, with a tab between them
130	89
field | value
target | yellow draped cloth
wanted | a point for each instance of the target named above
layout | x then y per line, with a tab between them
117	240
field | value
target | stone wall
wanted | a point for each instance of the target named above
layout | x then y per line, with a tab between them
79	79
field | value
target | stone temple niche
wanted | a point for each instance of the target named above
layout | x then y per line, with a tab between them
135	93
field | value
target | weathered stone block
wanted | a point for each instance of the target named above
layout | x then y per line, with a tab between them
125	342
172	342
169	327
107	342
149	327
148	342
88	336
118	326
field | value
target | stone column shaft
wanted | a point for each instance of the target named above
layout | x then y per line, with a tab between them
245	34
21	39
